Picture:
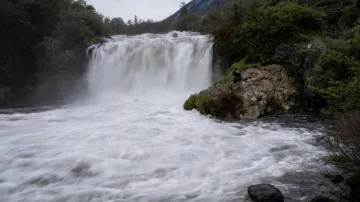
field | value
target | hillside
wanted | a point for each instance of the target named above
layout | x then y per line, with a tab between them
201	6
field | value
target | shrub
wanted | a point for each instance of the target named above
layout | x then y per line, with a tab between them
267	27
335	78
345	141
190	103
342	96
226	105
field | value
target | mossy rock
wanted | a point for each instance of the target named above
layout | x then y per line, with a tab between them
190	103
273	106
219	102
336	159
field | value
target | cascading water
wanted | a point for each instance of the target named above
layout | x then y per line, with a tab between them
136	143
151	63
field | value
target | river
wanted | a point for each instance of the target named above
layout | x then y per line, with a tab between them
130	140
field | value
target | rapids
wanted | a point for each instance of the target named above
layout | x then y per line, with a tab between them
130	140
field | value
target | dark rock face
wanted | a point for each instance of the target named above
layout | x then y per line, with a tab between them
282	53
354	183
265	193
335	177
321	199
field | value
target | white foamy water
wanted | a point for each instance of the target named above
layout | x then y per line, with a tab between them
132	141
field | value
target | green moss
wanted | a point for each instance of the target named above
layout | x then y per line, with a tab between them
96	40
190	103
336	159
241	65
207	104
225	105
338	44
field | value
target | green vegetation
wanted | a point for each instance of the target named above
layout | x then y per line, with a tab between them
236	66
218	106
264	28
274	106
190	103
336	159
223	106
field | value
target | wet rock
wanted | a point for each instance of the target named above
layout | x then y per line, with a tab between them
81	169
334	177
265	193
354	183
321	199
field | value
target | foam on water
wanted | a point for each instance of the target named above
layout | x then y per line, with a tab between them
140	145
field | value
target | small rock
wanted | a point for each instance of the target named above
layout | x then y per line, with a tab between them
321	199
335	178
265	193
81	169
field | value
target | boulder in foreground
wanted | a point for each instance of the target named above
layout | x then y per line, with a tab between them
265	193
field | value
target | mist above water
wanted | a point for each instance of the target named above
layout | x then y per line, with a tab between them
138	144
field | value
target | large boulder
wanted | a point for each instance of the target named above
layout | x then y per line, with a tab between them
256	92
265	193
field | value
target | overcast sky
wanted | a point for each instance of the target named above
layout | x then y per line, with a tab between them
144	9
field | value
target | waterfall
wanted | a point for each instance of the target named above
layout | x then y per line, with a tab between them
151	63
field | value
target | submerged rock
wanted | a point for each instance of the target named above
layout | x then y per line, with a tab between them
321	199
265	193
335	177
251	93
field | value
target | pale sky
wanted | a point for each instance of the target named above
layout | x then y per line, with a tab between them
144	9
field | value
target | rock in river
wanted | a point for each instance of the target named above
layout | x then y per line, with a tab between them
265	193
252	93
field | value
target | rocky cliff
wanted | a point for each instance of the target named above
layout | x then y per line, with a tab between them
252	93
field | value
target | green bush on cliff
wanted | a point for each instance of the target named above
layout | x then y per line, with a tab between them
335	76
190	103
267	27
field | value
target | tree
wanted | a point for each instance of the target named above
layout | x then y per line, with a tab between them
183	9
136	20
